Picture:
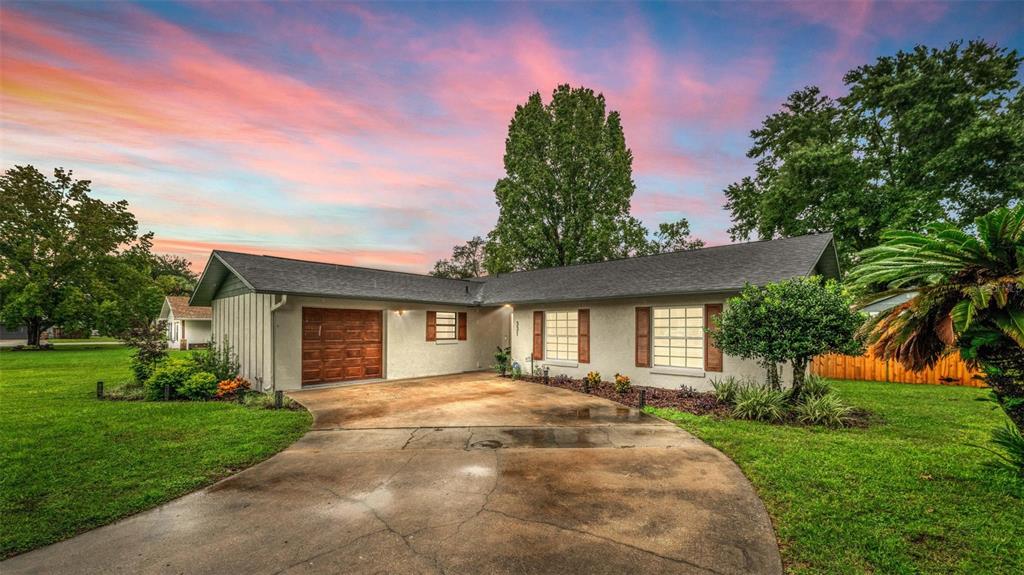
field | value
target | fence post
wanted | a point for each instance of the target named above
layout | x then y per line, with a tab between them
99	389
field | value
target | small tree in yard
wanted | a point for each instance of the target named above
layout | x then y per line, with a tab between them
793	320
150	343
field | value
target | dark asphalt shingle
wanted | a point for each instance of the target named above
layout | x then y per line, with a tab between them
717	269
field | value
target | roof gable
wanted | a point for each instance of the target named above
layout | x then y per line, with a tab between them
716	269
179	306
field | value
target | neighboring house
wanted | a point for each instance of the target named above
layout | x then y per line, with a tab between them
886	303
297	323
188	326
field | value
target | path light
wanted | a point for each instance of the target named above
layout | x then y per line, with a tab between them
643	399
167	392
99	389
278	399
546	381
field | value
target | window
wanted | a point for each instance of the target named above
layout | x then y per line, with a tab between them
679	337
445	325
561	333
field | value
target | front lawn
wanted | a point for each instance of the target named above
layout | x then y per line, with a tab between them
905	495
69	462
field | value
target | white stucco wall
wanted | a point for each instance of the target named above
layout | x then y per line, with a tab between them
406	351
613	344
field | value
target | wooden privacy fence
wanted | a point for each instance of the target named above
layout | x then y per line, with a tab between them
950	370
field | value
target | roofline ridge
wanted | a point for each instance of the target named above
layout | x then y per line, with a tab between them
469	280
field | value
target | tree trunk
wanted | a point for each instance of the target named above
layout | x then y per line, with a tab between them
799	372
34	327
772	369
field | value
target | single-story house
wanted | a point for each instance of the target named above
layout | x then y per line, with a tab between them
888	302
296	323
188	326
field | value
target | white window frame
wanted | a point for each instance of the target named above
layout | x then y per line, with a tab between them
562	335
677	337
446	325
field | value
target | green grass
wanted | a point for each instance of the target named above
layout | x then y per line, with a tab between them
906	495
69	462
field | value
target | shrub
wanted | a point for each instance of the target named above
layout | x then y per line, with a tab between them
622	383
173	372
150	343
230	388
725	390
220	360
825	409
759	403
593	379
200	386
517	370
816	386
502	358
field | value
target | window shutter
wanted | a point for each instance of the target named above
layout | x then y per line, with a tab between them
538	335
583	335
712	355
462	325
643	337
431	326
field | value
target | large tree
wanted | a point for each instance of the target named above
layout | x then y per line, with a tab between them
923	135
67	258
467	261
673	237
173	274
568	182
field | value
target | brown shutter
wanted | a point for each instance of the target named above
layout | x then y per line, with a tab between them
712	355
462	325
643	337
431	326
583	335
538	335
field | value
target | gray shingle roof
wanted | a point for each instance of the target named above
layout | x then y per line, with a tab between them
716	269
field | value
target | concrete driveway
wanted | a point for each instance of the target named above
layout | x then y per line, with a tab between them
461	474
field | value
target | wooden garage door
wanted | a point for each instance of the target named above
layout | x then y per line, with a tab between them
341	345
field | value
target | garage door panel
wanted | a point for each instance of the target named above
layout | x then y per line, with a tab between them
341	345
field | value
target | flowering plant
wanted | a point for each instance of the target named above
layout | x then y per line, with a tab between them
622	383
231	387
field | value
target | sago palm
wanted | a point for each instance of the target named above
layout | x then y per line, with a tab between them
970	296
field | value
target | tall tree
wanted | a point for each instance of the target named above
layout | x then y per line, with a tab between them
467	261
674	236
67	258
568	183
173	274
920	136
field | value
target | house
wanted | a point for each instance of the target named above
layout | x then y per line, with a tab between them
888	302
296	323
188	326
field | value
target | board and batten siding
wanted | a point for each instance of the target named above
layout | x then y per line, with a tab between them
244	320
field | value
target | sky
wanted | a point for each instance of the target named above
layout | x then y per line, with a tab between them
373	134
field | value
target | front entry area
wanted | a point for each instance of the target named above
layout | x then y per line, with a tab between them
341	345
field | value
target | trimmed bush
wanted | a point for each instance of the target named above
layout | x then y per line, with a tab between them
825	409
174	372
622	383
760	403
199	386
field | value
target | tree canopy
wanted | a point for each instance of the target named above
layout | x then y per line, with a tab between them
789	321
568	182
467	261
69	259
924	135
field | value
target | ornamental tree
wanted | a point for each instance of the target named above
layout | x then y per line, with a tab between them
789	321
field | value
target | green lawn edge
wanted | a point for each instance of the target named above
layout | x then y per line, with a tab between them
909	494
70	462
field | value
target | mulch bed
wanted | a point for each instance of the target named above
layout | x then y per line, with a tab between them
695	402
